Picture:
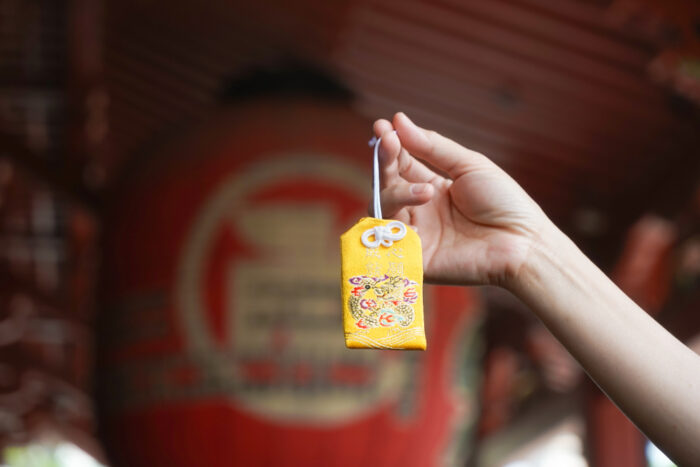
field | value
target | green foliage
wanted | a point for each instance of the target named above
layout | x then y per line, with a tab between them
33	455
47	455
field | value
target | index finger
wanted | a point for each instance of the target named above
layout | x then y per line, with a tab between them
395	162
434	148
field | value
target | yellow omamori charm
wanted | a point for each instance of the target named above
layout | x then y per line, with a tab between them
382	286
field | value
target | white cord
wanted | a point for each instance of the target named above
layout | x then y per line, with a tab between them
375	186
383	235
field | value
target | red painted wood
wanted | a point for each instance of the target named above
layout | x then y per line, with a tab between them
613	441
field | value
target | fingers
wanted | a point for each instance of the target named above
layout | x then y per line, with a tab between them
395	162
398	196
413	170
442	152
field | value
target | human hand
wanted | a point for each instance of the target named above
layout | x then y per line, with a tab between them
477	225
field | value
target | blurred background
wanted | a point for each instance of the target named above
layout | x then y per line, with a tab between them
174	177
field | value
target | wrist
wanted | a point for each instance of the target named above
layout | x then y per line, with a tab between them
547	255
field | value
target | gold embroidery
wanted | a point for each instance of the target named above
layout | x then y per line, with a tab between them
395	269
382	301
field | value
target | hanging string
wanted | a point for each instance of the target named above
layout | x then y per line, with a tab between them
393	231
375	185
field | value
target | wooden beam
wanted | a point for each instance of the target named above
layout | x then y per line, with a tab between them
583	131
479	55
513	44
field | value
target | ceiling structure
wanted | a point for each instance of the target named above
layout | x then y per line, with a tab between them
558	93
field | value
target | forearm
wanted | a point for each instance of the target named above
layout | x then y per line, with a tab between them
646	371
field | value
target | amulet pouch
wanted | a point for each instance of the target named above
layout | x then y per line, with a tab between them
382	286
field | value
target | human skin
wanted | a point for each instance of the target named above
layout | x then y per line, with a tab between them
478	226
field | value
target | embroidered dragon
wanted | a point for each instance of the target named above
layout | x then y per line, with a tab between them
382	301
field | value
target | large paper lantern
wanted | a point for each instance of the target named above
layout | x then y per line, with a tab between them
222	342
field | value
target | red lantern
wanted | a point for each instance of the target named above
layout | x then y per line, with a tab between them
223	342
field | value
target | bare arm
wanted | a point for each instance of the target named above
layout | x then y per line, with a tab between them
478	226
651	376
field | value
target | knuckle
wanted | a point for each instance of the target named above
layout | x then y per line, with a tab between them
405	163
432	139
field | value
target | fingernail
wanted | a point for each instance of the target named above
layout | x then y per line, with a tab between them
419	189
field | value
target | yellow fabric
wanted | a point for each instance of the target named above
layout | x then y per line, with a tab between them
382	290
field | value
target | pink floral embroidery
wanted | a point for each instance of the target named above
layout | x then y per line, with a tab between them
410	295
368	304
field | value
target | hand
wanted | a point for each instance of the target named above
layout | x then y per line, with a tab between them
477	226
